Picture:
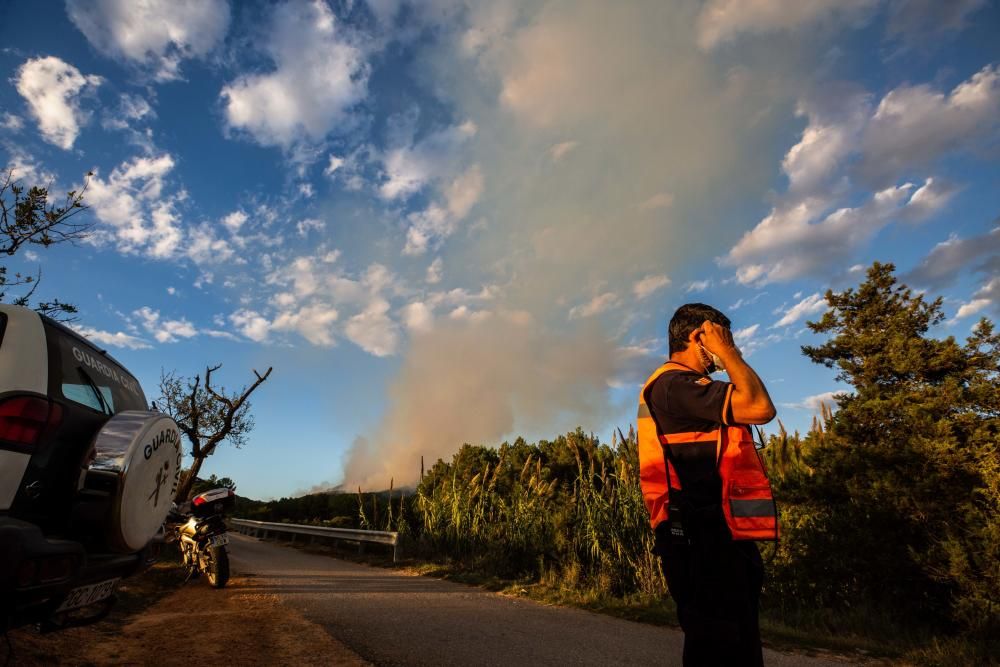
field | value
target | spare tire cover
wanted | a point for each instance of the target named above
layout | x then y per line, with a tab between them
144	450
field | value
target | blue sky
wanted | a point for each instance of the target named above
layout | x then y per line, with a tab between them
447	222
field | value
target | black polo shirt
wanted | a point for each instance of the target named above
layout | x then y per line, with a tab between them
689	402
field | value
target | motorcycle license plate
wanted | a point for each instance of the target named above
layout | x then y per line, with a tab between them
89	594
219	540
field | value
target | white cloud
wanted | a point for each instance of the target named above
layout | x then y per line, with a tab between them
990	289
373	330
747	301
463	192
319	76
25	169
837	115
172	291
434	272
721	21
204	247
697	286
165	235
417	316
304	226
409	168
116	339
849	144
461	296
156	35
52	89
749	340
204	278
234	221
827	398
915	125
943	263
131	109
598	304
315	296
314	323
791	243
464	313
11	122
745	334
306	190
646	286
334	164
559	151
971	308
428	228
659	200
129	202
135	107
251	324
164	330
812	304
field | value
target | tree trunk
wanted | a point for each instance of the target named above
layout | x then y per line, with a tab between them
184	490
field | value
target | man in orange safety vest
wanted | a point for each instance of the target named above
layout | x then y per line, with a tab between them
705	487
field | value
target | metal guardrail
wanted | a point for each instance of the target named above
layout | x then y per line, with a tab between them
264	528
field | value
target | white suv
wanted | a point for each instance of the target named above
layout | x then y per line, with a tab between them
87	474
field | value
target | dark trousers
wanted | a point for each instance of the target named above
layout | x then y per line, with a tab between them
716	584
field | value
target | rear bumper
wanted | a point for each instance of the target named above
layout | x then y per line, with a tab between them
27	597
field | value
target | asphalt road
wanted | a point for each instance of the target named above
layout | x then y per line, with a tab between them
391	618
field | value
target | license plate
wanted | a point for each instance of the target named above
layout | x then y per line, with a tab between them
85	595
219	540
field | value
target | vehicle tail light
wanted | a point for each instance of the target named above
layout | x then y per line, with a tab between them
56	569
198	501
46	570
24	418
26	573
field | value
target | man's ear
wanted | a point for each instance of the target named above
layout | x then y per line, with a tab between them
693	336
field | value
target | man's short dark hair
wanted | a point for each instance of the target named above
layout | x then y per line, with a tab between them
686	319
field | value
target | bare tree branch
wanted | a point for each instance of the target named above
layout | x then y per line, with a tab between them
207	415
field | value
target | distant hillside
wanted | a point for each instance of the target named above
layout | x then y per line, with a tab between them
328	507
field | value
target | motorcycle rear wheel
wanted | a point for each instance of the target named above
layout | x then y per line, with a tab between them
218	567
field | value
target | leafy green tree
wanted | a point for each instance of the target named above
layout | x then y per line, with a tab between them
27	217
898	504
213	482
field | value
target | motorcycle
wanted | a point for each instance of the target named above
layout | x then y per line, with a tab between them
199	528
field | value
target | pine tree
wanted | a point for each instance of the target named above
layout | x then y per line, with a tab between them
902	509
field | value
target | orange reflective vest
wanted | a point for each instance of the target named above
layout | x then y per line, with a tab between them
747	503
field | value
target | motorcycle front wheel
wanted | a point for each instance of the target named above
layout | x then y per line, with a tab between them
218	567
190	562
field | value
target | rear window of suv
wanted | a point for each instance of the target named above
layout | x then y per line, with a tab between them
82	374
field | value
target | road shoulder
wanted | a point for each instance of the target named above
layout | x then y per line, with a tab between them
193	625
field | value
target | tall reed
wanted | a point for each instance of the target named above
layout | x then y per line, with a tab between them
570	510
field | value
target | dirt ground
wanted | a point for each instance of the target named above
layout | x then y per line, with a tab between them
189	624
